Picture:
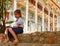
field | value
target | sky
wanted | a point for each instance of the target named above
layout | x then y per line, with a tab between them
56	0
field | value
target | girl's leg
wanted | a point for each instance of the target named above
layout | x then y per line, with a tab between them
14	35
6	35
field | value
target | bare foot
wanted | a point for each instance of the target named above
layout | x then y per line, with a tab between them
15	42
5	41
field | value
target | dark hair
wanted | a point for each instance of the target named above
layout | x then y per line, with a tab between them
18	11
7	12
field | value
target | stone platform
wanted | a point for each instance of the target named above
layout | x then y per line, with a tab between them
37	39
40	37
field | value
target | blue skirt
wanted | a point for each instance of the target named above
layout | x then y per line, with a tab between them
16	30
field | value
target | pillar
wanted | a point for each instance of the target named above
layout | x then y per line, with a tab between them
43	18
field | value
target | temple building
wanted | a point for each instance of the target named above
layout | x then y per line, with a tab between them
38	15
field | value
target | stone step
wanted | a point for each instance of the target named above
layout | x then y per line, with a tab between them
29	44
40	37
36	44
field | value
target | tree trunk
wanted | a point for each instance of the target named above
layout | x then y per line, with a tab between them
2	15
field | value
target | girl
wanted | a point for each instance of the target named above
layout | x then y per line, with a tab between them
16	29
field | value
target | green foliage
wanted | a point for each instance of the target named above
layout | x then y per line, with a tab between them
8	4
9	22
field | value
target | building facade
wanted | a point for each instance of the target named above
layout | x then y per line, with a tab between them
39	15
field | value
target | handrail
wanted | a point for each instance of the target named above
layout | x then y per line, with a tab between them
55	4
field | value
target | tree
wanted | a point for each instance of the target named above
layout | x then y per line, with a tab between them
2	15
4	5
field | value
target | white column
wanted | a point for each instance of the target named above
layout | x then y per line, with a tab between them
26	15
57	23
43	18
15	5
36	16
53	23
49	20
